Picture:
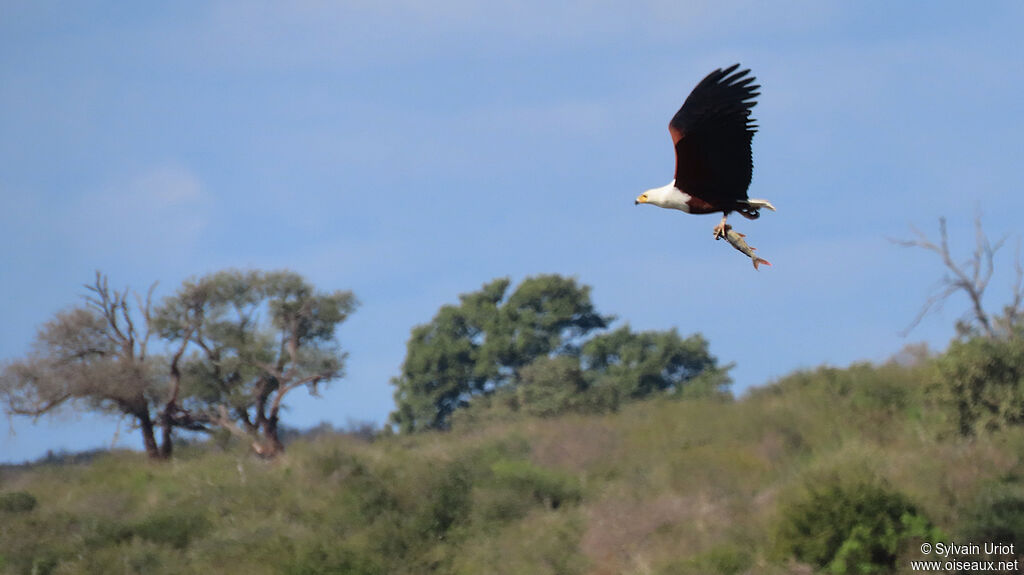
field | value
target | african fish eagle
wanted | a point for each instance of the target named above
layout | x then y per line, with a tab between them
712	134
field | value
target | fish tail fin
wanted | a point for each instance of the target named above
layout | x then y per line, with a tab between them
758	261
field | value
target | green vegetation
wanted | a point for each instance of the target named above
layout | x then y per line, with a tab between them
17	502
254	337
850	525
982	380
639	365
532	442
527	352
831	470
481	344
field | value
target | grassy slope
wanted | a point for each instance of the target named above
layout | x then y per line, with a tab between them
660	487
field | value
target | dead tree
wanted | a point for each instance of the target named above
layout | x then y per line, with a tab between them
970	277
97	357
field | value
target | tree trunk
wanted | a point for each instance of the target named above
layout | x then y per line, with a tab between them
166	442
148	437
270	442
267	443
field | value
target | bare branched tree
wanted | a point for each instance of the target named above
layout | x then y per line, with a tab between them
97	355
970	277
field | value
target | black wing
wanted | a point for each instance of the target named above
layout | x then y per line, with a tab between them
712	134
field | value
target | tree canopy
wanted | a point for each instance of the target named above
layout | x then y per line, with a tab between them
481	344
491	342
639	364
255	337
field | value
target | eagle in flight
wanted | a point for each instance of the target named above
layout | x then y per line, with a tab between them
712	134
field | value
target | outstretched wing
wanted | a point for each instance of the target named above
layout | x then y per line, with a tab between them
712	134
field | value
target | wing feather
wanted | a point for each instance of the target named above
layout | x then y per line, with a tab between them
712	133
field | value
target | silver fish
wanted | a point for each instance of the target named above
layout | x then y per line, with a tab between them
736	239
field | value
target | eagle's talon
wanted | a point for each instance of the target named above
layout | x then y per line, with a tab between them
721	229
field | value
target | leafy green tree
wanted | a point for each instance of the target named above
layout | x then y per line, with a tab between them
481	344
546	387
445	363
255	337
96	357
546	314
640	364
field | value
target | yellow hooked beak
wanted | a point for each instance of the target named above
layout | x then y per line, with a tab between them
641	199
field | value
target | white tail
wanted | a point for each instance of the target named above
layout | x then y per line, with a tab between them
751	209
758	204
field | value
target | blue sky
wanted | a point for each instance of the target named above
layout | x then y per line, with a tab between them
413	151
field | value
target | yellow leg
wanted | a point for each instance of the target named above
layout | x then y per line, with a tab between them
720	229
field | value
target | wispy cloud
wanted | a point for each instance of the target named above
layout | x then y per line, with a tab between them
159	212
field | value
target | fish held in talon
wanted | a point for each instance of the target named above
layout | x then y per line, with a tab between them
736	240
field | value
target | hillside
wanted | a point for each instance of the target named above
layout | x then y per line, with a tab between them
663	486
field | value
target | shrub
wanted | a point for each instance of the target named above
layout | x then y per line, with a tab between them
850	527
393	514
997	515
447	501
174	528
324	560
44	565
515	487
100	532
982	380
727	559
333	461
17	502
537	544
549	386
552	488
553	386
